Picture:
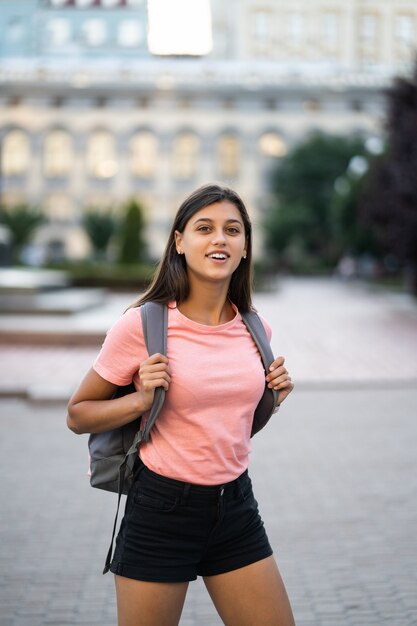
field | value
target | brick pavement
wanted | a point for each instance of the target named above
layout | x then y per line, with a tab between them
335	472
331	333
336	478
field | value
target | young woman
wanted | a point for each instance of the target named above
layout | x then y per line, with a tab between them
191	510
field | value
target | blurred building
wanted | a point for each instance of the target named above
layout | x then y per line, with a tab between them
105	99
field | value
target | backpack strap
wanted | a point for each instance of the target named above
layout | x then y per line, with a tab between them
269	400
155	329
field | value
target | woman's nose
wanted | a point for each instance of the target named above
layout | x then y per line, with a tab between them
218	237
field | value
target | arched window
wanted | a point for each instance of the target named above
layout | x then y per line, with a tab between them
228	154
185	155
15	154
143	154
58	155
101	155
271	144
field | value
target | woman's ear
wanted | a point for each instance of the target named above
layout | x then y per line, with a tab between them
178	239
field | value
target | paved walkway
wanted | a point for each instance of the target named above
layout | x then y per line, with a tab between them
336	478
335	472
332	334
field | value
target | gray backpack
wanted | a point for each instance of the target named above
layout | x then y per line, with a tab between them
113	453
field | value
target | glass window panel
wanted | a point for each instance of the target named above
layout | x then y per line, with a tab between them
295	27
130	33
109	4
94	31
84	3
331	29
58	31
185	155
272	145
101	155
404	29
368	27
228	153
58	154
143	155
15	153
261	25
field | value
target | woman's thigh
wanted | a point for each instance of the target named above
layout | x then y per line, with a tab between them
251	595
141	603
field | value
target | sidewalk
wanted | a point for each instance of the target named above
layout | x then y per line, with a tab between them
332	335
335	472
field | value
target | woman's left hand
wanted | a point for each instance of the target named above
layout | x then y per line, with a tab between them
279	379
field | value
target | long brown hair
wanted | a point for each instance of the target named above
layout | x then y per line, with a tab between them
171	279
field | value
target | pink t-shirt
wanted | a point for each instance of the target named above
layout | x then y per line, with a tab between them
202	434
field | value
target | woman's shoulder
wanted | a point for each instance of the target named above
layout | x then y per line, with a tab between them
130	322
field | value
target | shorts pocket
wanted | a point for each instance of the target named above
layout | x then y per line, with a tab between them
151	503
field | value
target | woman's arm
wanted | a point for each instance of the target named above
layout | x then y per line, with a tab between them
91	408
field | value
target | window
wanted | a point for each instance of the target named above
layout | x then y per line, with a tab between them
262	26
143	154
295	28
262	31
15	29
185	155
405	30
271	144
130	33
110	4
101	155
228	154
58	3
15	154
58	31
368	28
94	32
330	30
58	154
84	3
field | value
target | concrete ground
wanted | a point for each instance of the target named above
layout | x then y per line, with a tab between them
335	472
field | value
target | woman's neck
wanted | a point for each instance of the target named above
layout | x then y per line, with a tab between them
208	306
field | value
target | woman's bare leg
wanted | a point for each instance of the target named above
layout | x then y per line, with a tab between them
141	603
251	596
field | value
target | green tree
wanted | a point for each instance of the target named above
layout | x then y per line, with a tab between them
304	213
389	201
22	222
100	227
132	234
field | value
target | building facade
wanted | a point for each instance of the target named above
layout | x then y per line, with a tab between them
90	115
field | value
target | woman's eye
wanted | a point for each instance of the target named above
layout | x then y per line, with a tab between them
234	231
204	229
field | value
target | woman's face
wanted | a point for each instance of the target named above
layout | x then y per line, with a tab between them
213	242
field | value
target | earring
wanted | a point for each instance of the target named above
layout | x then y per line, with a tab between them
179	252
244	256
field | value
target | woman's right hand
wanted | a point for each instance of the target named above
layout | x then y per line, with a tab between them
153	372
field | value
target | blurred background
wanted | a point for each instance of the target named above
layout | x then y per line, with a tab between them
112	111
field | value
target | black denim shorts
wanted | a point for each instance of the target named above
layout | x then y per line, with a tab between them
174	531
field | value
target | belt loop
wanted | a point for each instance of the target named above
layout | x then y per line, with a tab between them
240	480
185	493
